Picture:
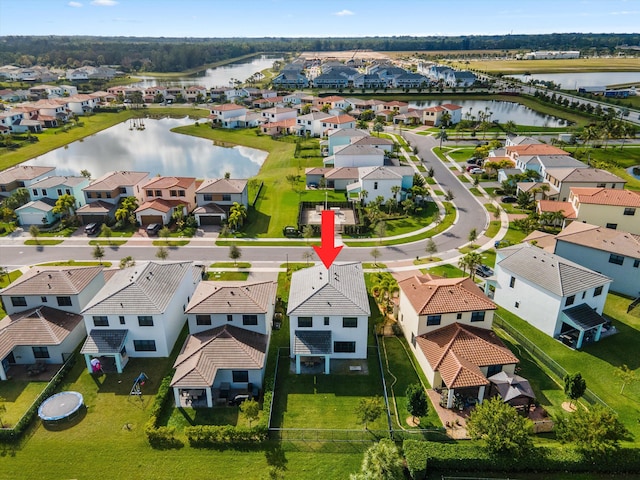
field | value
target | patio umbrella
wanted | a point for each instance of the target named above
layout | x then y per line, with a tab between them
511	387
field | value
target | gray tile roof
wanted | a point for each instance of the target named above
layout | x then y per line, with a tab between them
584	316
104	341
339	291
53	281
358	150
44	204
549	271
379	173
226	347
56	180
232	297
222	185
312	342
146	288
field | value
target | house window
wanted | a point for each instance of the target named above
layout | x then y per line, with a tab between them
158	193
40	352
305	322
35	192
413	339
517	304
629	211
44	192
493	369
19	301
612	226
145	320
100	321
208	197
326	321
123	191
67	191
434	319
203	319
43	299
144	345
149	193
350	322
108	195
344	347
98	195
240	376
229	317
477	316
636	263
226	197
616	259
601	185
597	291
249	320
375	185
569	301
59	191
181	193
458	316
121	317
512	282
64	301
173	193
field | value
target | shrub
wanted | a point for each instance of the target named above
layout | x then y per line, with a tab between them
416	453
203	436
161	437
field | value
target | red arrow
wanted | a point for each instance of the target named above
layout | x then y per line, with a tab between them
327	251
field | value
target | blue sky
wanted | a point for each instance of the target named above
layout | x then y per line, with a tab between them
323	18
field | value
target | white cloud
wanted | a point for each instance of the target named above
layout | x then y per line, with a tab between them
344	13
104	3
75	4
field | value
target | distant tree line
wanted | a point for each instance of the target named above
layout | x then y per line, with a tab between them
178	54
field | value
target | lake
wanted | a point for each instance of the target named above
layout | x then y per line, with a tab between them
571	81
215	77
156	150
501	111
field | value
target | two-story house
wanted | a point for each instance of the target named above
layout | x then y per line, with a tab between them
382	182
356	156
21	176
228	115
328	314
163	196
610	208
139	312
230	326
311	124
561	180
215	197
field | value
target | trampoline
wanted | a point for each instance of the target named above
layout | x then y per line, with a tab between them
61	406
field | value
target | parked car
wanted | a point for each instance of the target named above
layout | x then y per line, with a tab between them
474	161
92	228
484	271
471	167
477	170
509	199
290	232
153	229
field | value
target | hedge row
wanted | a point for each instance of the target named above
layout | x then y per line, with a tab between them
218	435
14	434
475	458
161	437
416	457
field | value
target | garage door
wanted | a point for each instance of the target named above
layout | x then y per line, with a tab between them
31	218
209	220
148	219
87	219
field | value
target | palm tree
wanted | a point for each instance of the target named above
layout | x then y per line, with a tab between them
510	126
395	190
384	289
443	136
472	260
162	253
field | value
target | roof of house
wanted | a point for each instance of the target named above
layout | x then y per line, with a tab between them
458	351
96	207
113	180
550	206
37	326
317	290
146	288
43	204
543	240
371	141
451	106
340	119
548	271
209	208
54	181
232	297
531	149
227	347
160	205
348	132
222	185
607	196
436	295
342	173
227	107
599	238
22	173
594	175
380	173
523	140
169	182
53	281
353	149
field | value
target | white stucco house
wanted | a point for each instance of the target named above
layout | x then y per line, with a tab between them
215	197
356	156
328	314
557	296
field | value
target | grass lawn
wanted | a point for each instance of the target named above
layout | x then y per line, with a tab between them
170	243
73	263
413	222
513	236
475	191
614	160
108	243
17	396
460	154
230	265
10	277
227	276
494	228
447	271
43	242
65	232
373	265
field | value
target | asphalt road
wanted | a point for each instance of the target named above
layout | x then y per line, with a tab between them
13	253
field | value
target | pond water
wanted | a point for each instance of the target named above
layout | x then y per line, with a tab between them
155	150
571	81
215	77
501	111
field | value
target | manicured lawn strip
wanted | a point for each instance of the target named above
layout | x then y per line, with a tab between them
597	362
17	396
227	276
230	265
170	243
108	243
461	154
248	243
513	236
475	191
447	271
43	242
489	257
65	232
370	266
494	228
10	277
74	263
413	222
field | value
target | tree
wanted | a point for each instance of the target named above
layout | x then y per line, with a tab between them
98	253
106	232
162	253
237	215
307	255
34	231
595	431
381	461
369	410
164	233
375	253
525	200
378	127
443	136
65	205
448	196
85	173
178	216
417	405
574	386
307	232
127	262
384	288
234	254
431	248
473	235
627	376
251	410
510	126
472	260
502	428
496	213
125	214
381	230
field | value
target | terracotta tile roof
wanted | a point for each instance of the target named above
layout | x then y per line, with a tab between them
551	206
533	149
437	108
227	107
458	351
607	196
340	119
431	295
159	204
113	180
53	281
451	106
226	347
38	326
543	240
222	185
396	103
228	297
169	182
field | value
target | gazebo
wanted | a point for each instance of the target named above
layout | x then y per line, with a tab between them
514	389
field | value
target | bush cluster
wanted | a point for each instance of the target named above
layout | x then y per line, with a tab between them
415	455
200	436
161	437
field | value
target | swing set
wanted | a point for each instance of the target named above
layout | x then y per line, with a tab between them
138	383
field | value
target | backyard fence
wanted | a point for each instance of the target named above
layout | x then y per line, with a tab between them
536	352
384	386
